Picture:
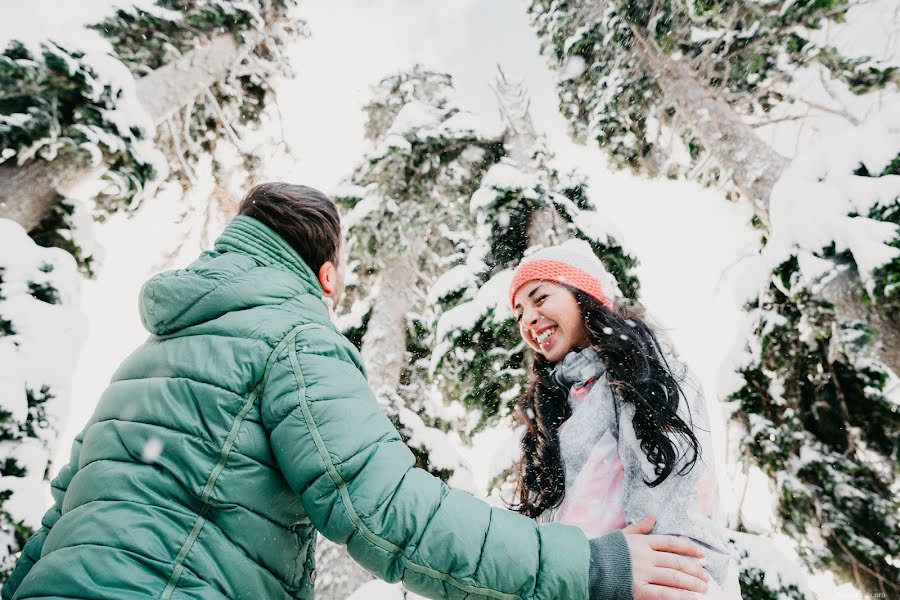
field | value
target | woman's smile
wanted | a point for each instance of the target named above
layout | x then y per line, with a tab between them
543	338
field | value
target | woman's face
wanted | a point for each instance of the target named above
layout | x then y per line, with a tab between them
549	319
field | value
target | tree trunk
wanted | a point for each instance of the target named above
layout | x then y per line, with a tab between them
28	192
337	575
520	141
520	137
385	357
545	228
755	167
749	162
176	84
384	343
851	303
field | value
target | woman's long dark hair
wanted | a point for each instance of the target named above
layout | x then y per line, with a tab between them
639	374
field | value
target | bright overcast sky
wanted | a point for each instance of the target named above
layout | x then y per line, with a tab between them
355	43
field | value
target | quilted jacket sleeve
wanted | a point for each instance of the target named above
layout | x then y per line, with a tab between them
32	550
357	482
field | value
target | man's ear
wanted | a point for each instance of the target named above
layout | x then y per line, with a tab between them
328	278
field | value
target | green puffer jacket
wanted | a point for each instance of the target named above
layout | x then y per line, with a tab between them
243	425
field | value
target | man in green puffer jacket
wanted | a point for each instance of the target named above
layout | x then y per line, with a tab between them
244	425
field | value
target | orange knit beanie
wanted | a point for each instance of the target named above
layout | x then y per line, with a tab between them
572	263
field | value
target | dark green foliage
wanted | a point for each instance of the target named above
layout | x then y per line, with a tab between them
419	341
9	427
12	430
893	167
54	231
20	531
43	290
415	186
819	423
55	103
485	367
394	92
10	468
147	40
421	454
754	587
425	185
355	334
37	410
758	584
887	277
6	327
859	73
509	238
617	261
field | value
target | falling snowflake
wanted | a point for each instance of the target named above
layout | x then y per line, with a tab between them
152	449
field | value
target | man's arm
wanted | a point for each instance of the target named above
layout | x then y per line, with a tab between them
32	550
356	479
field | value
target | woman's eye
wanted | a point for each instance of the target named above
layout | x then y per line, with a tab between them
540	299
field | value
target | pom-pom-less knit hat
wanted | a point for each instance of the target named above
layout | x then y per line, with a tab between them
571	263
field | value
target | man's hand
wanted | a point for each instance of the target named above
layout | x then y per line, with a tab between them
663	567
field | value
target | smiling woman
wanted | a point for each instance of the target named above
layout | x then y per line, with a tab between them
614	431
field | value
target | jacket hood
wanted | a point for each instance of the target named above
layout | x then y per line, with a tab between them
250	266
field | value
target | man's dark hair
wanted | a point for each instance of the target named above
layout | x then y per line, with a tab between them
306	218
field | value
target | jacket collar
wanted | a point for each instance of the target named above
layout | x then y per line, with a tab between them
248	236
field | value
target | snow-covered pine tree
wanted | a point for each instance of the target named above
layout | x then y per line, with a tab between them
667	87
41	330
180	77
523	201
819	407
672	89
408	222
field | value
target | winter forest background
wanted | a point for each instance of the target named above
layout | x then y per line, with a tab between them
735	164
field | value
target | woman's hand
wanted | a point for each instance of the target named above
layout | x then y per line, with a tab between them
663	567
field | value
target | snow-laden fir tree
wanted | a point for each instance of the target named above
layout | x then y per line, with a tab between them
820	409
41	330
408	222
523	202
